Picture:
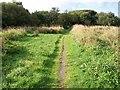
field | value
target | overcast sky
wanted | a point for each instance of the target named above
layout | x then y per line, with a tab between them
97	5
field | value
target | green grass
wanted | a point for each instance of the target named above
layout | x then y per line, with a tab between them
91	67
34	63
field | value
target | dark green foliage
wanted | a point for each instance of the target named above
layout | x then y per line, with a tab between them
108	19
65	20
53	16
41	17
47	18
87	17
14	14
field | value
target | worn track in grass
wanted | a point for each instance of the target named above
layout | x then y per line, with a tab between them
63	64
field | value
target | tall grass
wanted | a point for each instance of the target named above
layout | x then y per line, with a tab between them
92	34
13	34
43	29
92	57
91	66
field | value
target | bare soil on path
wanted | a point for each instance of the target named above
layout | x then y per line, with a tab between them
63	64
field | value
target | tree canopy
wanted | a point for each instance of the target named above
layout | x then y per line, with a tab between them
14	14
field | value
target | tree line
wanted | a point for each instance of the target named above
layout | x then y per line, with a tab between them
14	14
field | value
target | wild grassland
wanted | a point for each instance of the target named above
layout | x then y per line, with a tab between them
90	34
34	63
31	59
92	57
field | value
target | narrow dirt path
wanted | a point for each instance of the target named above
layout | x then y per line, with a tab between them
63	64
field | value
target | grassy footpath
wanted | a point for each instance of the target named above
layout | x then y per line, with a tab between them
90	67
34	63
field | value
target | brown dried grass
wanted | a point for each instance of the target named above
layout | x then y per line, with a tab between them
87	35
51	29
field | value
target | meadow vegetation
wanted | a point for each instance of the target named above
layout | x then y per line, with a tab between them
33	46
92	57
90	35
33	61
